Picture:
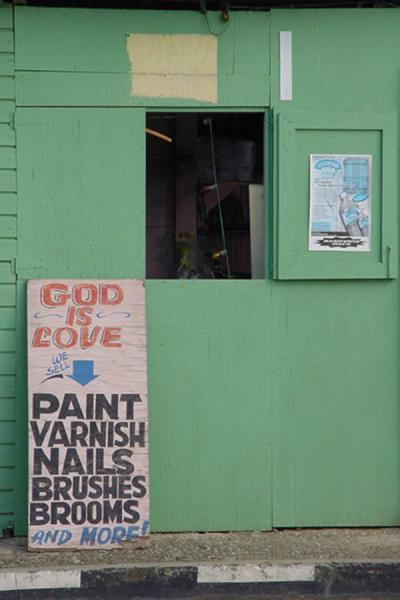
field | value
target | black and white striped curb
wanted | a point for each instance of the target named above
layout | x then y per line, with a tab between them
319	579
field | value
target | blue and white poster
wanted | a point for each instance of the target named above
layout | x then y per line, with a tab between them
340	202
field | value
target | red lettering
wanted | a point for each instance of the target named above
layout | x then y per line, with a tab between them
54	294
111	294
70	315
110	337
83	317
65	337
85	294
40	337
88	340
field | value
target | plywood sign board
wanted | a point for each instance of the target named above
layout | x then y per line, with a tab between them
88	434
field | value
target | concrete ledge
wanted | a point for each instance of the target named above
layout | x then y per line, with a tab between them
359	578
36	580
191	581
255	573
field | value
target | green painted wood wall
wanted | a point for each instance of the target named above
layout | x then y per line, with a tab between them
8	234
272	403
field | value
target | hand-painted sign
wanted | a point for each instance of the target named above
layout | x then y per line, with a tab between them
88	437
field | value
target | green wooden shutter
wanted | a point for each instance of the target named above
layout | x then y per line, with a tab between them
301	134
81	192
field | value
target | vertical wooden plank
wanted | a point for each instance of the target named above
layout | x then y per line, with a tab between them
7	271
21	425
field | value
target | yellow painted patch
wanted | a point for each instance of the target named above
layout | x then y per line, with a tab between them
174	66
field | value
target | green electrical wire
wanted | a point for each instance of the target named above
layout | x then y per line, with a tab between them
221	218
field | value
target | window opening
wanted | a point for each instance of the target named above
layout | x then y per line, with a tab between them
205	196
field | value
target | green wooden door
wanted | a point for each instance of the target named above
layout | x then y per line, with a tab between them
336	389
81	205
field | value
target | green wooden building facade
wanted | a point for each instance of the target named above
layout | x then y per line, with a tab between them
273	402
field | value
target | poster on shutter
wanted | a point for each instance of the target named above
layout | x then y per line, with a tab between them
340	202
88	433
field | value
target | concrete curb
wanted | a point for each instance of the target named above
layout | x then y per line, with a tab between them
323	579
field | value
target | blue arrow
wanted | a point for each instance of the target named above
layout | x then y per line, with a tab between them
82	371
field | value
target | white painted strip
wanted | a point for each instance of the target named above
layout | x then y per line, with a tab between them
39	580
254	573
286	87
7	581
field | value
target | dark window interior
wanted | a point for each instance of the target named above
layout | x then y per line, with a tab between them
204	207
